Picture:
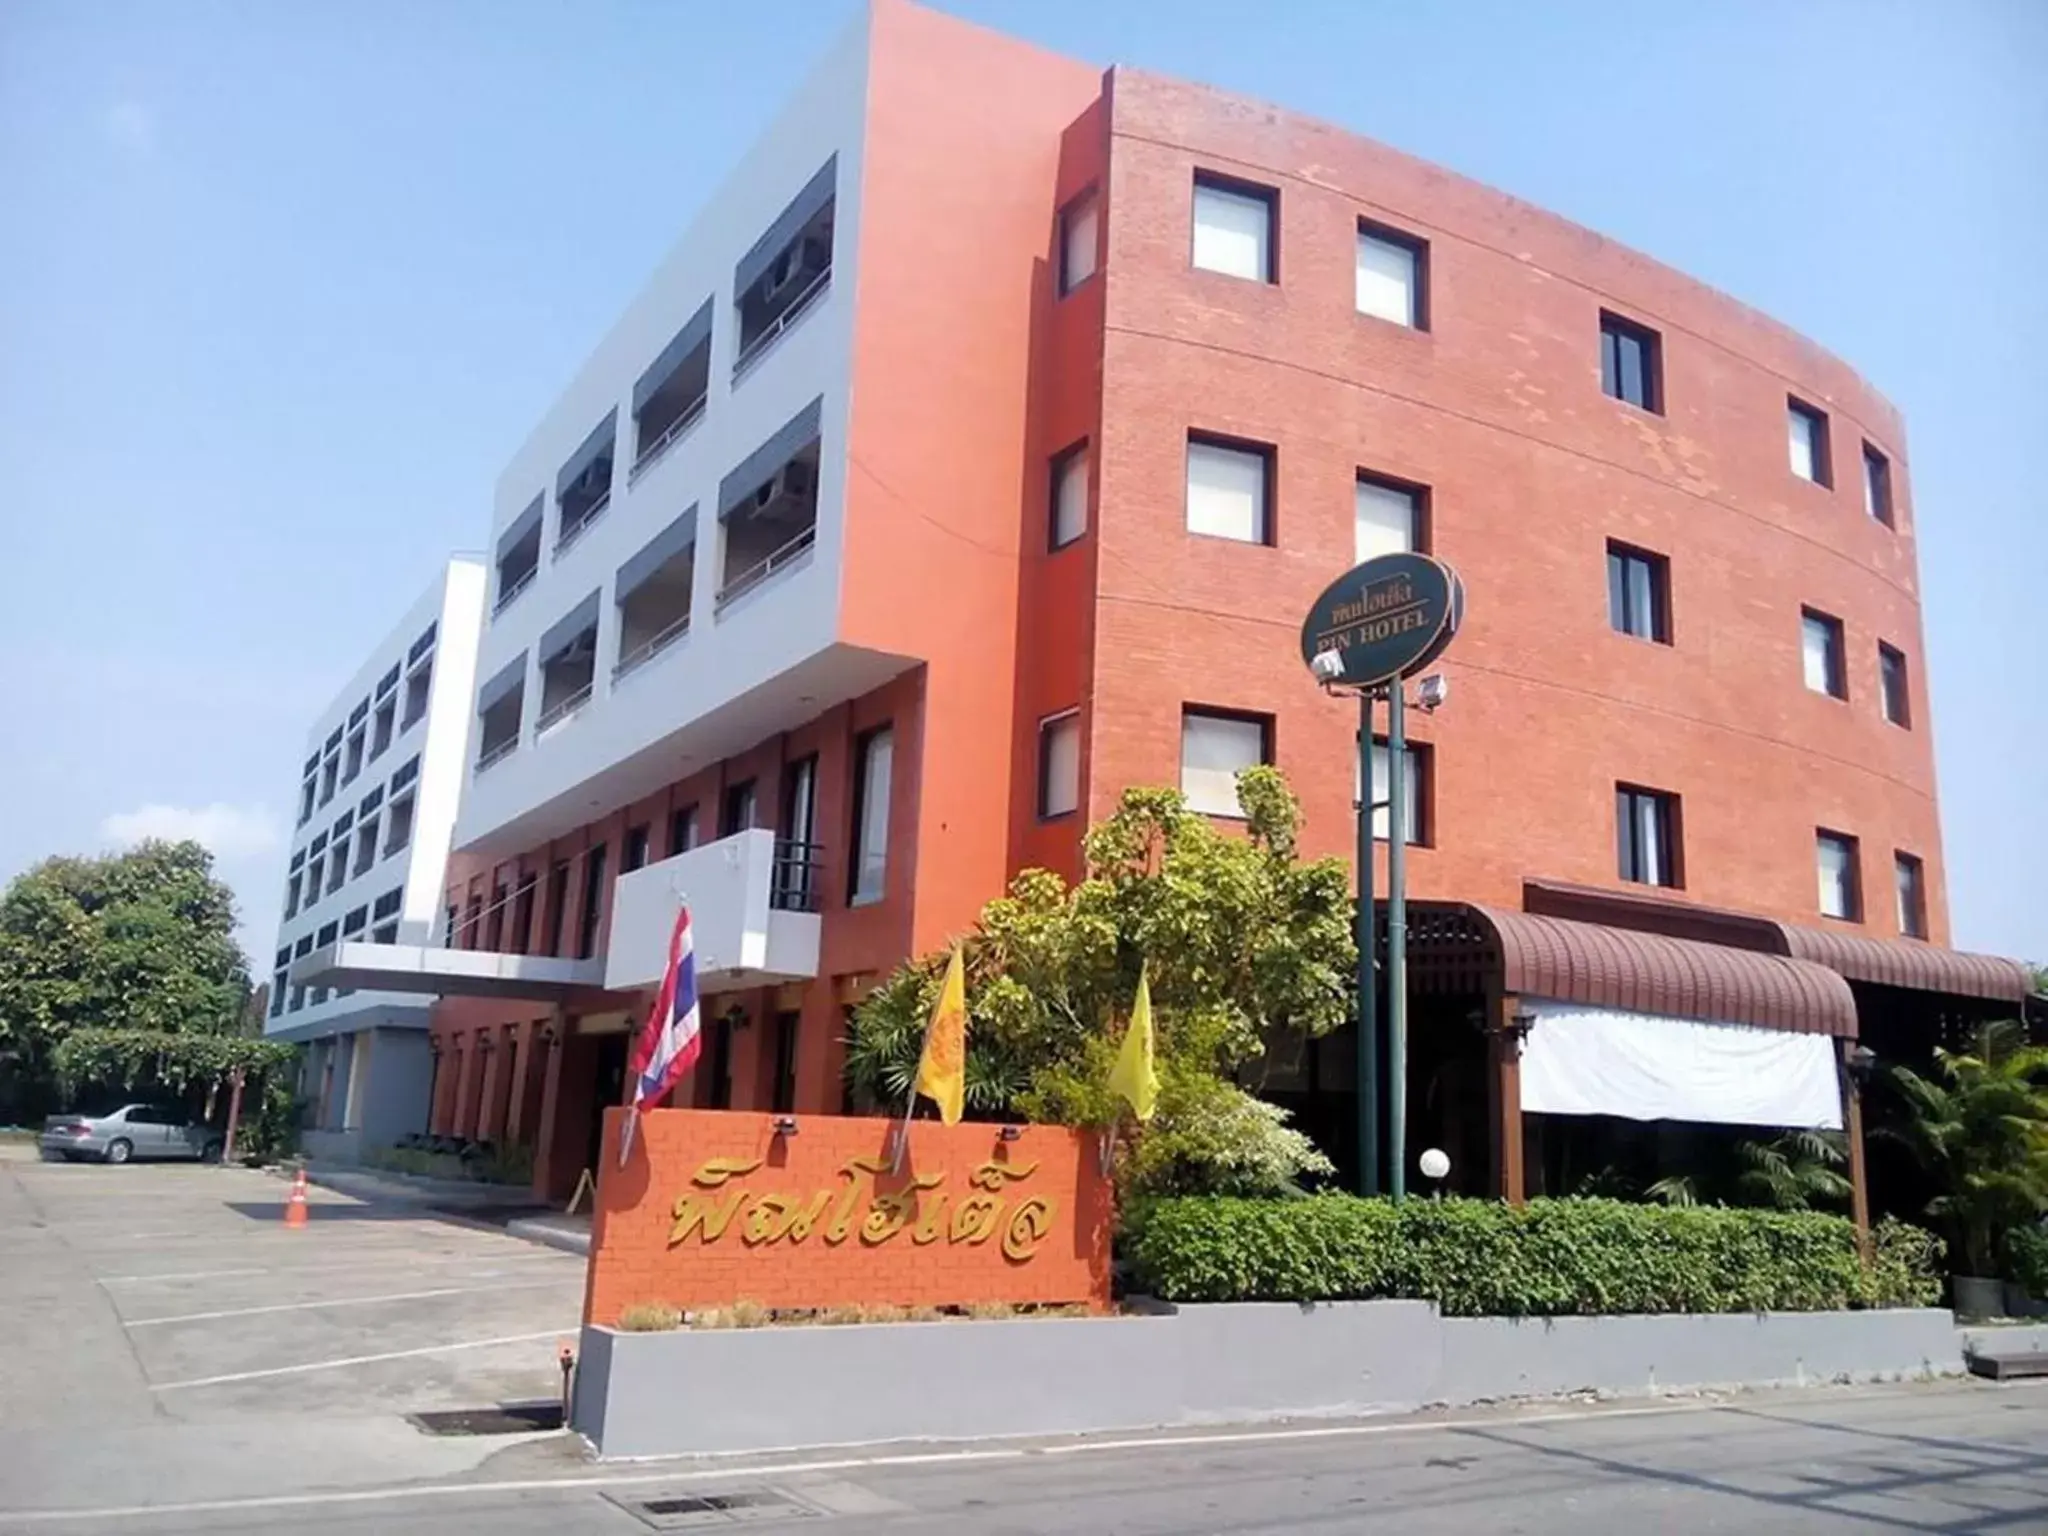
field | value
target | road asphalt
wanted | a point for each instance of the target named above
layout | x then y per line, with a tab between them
172	1360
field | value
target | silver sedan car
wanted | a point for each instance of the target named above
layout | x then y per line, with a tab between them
131	1132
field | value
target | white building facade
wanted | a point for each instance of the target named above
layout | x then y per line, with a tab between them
375	810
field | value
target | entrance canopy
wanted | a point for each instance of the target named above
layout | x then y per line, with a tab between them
450	972
1488	951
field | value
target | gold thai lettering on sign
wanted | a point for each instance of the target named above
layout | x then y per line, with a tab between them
864	1203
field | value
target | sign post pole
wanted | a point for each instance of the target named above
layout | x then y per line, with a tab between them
1379	623
1368	1002
1397	940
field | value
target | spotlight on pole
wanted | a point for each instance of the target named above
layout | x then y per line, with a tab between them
1432	692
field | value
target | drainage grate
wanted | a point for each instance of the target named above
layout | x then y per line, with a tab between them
698	1511
503	1419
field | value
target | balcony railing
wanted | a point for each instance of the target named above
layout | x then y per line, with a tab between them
555	714
491	756
654	450
505	597
640	655
574	531
754	575
795	882
782	322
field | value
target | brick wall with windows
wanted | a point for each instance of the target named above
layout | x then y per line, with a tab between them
1533	470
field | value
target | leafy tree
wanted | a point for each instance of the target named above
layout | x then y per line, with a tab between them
1245	942
1797	1171
1981	1127
138	940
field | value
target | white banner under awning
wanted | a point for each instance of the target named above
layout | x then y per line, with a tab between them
1581	1060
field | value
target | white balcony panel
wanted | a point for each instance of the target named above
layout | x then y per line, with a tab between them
739	937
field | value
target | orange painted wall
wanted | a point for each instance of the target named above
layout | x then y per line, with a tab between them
928	1257
959	181
1498	408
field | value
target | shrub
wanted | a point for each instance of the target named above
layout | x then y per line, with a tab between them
1549	1258
2026	1256
650	1317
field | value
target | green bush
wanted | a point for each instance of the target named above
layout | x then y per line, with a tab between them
2026	1260
1479	1258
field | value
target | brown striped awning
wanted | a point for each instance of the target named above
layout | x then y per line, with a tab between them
1908	963
1467	947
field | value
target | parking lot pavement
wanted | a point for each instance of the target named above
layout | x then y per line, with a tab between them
163	1331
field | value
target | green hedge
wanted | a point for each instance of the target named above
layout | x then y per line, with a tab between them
1479	1258
2026	1254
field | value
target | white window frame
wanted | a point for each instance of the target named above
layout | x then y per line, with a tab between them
1376	505
1059	765
1071	470
1213	509
1412	754
876	767
1233	229
1080	241
1390	276
1840	886
1821	644
1215	747
1806	439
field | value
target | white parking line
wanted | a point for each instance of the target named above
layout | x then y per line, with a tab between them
330	1262
336	1365
347	1301
183	1274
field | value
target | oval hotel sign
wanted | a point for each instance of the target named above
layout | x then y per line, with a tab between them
1387	618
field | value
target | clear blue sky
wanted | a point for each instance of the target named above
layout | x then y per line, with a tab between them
282	286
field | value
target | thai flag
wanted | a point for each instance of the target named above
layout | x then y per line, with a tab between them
672	1036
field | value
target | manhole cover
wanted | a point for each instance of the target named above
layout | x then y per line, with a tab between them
501	1419
697	1511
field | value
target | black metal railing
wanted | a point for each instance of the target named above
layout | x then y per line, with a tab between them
796	883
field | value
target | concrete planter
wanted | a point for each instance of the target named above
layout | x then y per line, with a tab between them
659	1394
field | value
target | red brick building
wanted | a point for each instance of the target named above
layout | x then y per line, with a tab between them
1114	374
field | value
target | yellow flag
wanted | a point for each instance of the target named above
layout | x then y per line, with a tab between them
942	1069
1134	1079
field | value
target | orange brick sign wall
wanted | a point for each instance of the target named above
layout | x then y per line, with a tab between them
713	1207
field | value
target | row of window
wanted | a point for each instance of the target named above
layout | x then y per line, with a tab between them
779	280
379	920
507	919
1235	223
1216	745
323	866
1639	604
371	727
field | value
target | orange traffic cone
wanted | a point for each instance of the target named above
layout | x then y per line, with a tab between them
295	1204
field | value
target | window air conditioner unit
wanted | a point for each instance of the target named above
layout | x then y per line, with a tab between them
794	480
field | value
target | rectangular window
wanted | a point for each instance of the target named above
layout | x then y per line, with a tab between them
1079	234
1646	835
717	1091
873	760
1808	438
1214	748
558	907
1891	678
635	852
522	914
1631	363
682	831
1841	892
494	919
1234	228
1877	485
366	845
1909	881
793	885
1391	281
1069	482
783	1100
1387	517
1638	593
1820	647
315	867
399	833
593	903
1229	487
736	810
291	896
1059	765
1415	777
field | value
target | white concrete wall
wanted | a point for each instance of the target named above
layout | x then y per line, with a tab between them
544	785
738	939
453	604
